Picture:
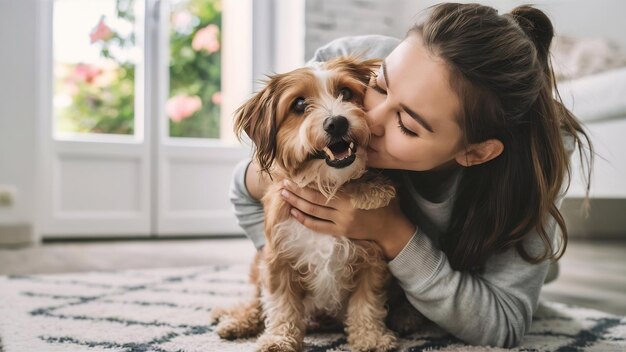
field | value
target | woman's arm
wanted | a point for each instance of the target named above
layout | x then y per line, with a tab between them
491	308
256	181
246	188
494	307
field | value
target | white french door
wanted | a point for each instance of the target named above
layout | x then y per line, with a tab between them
192	175
139	178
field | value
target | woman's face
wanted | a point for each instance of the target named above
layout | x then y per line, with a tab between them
412	111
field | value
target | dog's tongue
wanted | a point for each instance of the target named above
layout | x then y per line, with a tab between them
342	154
338	153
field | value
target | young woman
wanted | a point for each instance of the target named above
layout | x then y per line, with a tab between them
463	117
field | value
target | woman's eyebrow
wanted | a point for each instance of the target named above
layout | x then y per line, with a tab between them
417	118
410	112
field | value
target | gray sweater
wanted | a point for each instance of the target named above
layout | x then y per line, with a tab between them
492	308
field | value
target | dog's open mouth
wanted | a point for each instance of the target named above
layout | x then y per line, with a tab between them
338	154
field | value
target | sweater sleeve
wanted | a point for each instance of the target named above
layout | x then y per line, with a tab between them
364	46
248	211
492	308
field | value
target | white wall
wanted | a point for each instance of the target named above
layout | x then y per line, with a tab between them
580	18
17	108
330	19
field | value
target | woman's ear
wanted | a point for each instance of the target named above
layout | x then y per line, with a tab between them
480	153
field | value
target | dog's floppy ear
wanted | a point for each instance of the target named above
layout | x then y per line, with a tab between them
257	118
356	67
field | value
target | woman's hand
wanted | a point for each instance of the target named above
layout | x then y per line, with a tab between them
387	226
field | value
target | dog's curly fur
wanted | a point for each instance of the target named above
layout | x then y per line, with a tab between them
304	278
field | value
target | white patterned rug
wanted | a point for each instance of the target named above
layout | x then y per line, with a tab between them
167	310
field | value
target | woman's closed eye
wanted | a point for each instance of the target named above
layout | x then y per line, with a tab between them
403	128
374	85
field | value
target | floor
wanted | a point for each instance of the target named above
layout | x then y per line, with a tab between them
593	274
60	257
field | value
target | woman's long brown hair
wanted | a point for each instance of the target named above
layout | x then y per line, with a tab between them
501	70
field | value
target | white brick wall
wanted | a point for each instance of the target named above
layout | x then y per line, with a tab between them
330	19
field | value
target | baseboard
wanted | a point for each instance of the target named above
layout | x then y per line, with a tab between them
606	218
21	234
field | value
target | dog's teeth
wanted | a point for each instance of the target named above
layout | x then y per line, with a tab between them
329	153
349	152
351	145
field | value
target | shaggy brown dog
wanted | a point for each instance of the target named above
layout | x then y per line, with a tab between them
309	126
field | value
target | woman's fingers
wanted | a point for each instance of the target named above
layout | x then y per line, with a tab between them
312	209
317	225
305	206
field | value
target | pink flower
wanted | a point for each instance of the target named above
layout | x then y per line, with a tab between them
181	107
109	72
217	98
206	39
86	73
100	32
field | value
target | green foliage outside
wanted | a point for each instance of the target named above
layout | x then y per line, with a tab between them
99	97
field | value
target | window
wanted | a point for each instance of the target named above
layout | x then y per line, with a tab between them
94	61
193	105
96	57
137	98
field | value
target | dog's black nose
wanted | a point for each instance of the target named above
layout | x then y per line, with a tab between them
336	126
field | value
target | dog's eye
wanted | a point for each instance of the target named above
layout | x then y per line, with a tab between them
299	105
345	93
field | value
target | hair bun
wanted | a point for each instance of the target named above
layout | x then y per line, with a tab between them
536	24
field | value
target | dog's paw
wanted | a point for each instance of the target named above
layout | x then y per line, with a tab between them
216	315
373	342
237	322
278	343
372	195
230	328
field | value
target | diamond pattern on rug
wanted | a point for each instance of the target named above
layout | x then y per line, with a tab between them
167	310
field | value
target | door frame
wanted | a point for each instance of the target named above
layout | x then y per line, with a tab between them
153	151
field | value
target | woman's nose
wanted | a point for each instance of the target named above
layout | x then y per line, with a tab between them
376	119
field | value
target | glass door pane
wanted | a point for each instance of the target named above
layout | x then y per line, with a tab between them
193	105
94	56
